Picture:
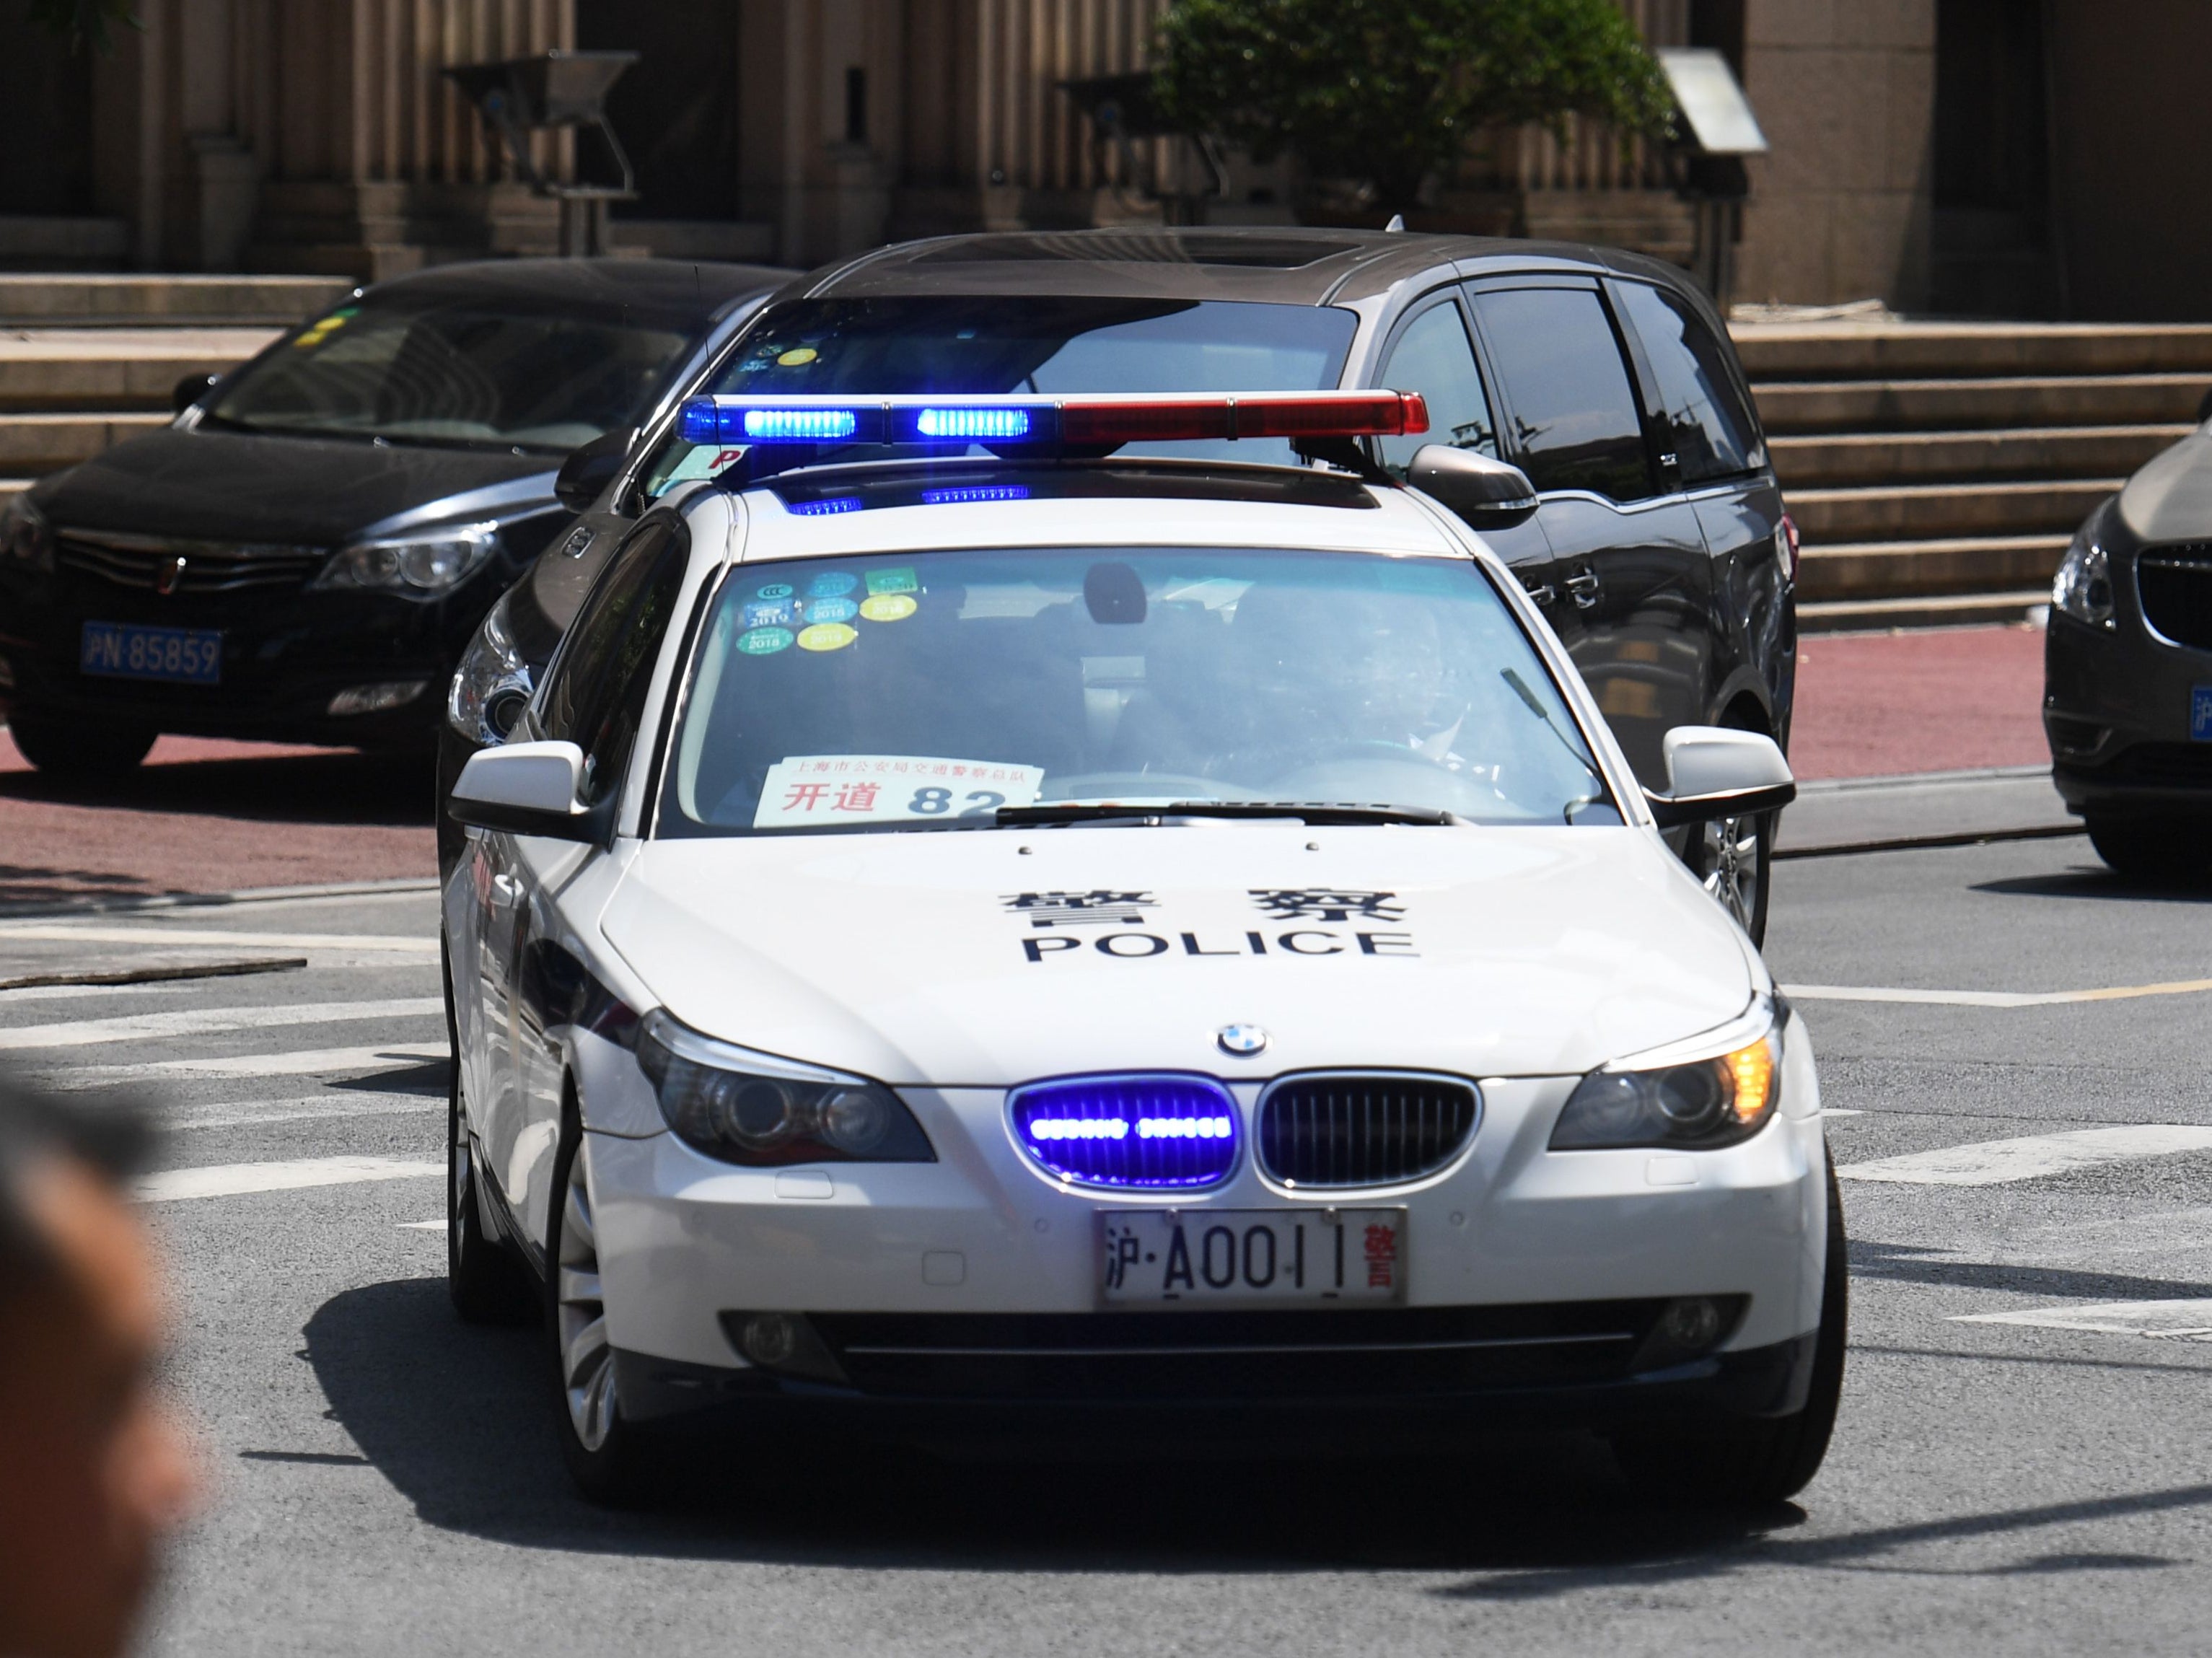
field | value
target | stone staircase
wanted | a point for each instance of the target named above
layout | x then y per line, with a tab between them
88	361
1936	471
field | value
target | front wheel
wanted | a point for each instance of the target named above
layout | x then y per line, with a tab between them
78	750
2152	850
1758	1463
1733	857
607	1455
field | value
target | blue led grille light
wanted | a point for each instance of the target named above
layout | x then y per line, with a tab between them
972	422
1130	1131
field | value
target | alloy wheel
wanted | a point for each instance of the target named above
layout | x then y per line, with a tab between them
587	1371
1734	866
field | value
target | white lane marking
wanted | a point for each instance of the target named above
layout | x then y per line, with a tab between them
1990	997
299	1063
235	1179
1838	1111
421	1225
405	942
254	1114
1994	1162
2174	1320
199	1021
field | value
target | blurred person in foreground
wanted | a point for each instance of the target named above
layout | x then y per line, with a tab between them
94	1471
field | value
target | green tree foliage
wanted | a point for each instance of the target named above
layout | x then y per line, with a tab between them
1389	91
85	22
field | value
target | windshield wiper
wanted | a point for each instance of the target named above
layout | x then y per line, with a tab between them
1315	813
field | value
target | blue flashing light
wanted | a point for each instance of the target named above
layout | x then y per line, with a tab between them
826	506
1131	1130
974	492
972	424
700	422
799	425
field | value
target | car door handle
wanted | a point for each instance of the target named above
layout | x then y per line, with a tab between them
1542	591
1583	584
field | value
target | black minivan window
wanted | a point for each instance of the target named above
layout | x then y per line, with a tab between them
1709	429
1433	357
596	696
1574	412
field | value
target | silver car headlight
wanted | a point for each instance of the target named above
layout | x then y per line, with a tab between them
2083	586
492	686
738	1106
1713	1092
428	566
24	536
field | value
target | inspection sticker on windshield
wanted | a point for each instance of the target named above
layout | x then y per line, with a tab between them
819	790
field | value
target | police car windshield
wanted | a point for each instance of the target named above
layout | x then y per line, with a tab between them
1049	346
928	691
466	373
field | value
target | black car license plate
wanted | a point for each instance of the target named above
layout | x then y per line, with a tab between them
129	650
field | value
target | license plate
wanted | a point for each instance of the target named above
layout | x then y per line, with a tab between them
1227	1257
2200	714
126	650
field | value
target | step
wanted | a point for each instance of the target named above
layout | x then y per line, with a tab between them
1928	511
1931	405
269	301
104	369
33	445
2066	452
1904	350
1954	610
12	487
1962	564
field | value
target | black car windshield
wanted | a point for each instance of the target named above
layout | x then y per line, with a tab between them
1049	346
462	372
926	690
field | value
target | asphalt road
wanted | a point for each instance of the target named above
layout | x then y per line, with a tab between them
385	1481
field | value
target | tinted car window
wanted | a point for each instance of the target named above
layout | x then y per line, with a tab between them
453	372
1709	429
1575	417
1434	357
596	696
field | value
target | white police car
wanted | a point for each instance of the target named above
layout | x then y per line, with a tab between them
991	941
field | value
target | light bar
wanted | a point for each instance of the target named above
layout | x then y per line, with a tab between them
1102	422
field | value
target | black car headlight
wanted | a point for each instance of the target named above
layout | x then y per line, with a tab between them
2083	586
426	566
26	539
741	1107
492	686
1694	1102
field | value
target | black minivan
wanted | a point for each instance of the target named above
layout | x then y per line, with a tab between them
304	552
1660	550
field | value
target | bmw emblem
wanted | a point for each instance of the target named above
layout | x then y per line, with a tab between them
1242	1040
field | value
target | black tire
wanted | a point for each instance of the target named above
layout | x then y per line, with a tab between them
613	1462
78	750
1734	858
488	1284
1759	1463
2156	851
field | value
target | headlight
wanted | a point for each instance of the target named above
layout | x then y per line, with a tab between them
1694	1102
24	536
423	567
742	1107
492	686
2083	586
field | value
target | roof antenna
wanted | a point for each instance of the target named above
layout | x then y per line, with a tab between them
1396	227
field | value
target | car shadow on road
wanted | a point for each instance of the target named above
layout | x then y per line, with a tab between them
338	787
459	1420
2096	881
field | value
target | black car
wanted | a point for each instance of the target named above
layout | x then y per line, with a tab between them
303	553
1660	550
2127	700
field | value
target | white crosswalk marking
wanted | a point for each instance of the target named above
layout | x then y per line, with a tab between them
410	944
2174	1321
236	1179
313	1061
1994	1163
1991	997
139	1027
257	1114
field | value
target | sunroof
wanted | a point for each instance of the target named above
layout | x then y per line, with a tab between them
1144	247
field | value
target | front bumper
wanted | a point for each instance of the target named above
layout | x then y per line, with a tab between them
1533	1278
2117	712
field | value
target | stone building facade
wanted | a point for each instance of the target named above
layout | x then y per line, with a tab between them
1976	156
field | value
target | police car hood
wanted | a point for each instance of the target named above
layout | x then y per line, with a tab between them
992	958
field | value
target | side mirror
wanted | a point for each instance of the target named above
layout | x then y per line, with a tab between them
190	390
1484	491
588	471
1714	772
528	788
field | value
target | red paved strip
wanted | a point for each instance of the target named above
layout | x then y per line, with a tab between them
210	817
1881	705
